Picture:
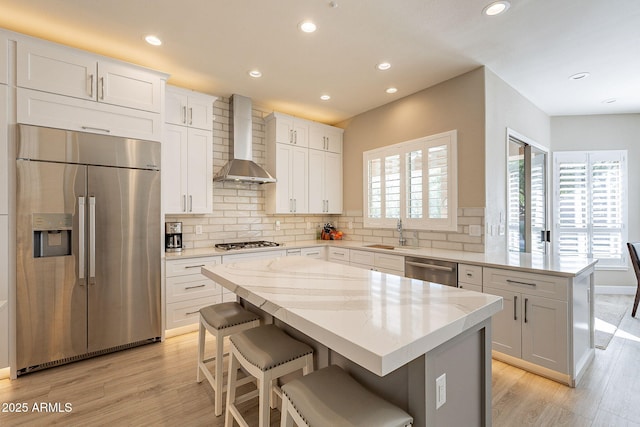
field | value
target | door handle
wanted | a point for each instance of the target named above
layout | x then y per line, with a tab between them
92	237
81	209
90	85
101	87
190	203
526	300
184	203
429	266
515	308
190	116
184	115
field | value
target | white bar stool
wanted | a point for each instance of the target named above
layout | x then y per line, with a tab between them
221	320
330	397
267	353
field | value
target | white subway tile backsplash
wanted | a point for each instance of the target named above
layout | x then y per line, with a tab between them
239	208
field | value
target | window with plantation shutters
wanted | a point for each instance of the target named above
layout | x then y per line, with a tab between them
415	181
590	205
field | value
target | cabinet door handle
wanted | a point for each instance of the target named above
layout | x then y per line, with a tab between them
194	266
515	308
194	287
184	114
516	282
190	116
184	203
190	203
295	205
101	87
90	85
189	313
295	137
526	300
98	129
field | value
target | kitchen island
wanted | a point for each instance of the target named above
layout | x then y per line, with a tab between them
395	335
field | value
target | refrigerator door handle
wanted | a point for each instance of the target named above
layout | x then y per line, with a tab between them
92	237
81	209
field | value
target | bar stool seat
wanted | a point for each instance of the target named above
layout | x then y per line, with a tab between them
266	353
331	397
221	320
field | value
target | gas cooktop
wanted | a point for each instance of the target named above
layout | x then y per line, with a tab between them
246	245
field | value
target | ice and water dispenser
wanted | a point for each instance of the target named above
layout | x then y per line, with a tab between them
52	234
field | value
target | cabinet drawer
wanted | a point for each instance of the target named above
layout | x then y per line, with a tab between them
63	112
182	288
471	274
530	283
361	257
186	312
388	262
184	267
470	287
340	255
318	253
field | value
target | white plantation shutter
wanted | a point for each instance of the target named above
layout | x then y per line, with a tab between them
590	205
415	181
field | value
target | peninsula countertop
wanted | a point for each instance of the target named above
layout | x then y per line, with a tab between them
379	321
566	266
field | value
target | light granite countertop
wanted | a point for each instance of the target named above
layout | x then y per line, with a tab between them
532	263
378	321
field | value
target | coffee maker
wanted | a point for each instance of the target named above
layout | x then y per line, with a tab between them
172	236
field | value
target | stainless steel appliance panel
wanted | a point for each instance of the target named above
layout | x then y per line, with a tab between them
431	270
51	306
124	256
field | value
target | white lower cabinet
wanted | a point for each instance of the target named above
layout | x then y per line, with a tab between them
385	263
187	290
534	323
4	292
317	252
470	277
339	255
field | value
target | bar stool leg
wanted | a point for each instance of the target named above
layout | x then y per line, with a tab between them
286	420
265	396
219	373
201	335
231	389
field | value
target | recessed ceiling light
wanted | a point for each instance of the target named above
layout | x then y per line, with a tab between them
391	90
579	76
609	101
307	27
255	73
153	40
325	97
496	8
383	66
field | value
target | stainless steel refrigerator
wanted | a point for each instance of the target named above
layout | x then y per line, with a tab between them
88	245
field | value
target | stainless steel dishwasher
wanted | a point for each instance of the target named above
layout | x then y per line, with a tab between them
431	270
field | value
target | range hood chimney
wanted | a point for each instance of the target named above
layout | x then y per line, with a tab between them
241	167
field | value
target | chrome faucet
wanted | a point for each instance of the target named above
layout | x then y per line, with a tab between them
401	240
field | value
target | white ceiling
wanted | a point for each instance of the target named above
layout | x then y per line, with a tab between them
209	45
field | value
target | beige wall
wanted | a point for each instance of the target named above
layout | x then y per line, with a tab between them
610	132
505	108
455	104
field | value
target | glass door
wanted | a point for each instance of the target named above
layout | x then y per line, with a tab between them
526	198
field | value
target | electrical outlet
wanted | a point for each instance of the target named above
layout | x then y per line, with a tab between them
277	225
441	390
198	229
475	230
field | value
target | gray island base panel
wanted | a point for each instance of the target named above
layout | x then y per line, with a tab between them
395	335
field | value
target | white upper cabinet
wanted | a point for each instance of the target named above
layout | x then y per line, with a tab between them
4	58
306	159
325	182
57	69
188	108
187	170
291	130
325	138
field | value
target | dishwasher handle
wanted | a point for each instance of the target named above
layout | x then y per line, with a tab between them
430	266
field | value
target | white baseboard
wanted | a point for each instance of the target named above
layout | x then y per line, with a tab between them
618	290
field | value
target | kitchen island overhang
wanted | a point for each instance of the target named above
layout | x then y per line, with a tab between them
386	324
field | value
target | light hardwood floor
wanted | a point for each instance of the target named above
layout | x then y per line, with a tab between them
155	385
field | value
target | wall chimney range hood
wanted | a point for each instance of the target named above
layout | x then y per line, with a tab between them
241	167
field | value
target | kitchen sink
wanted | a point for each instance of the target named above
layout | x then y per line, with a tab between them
382	246
379	246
